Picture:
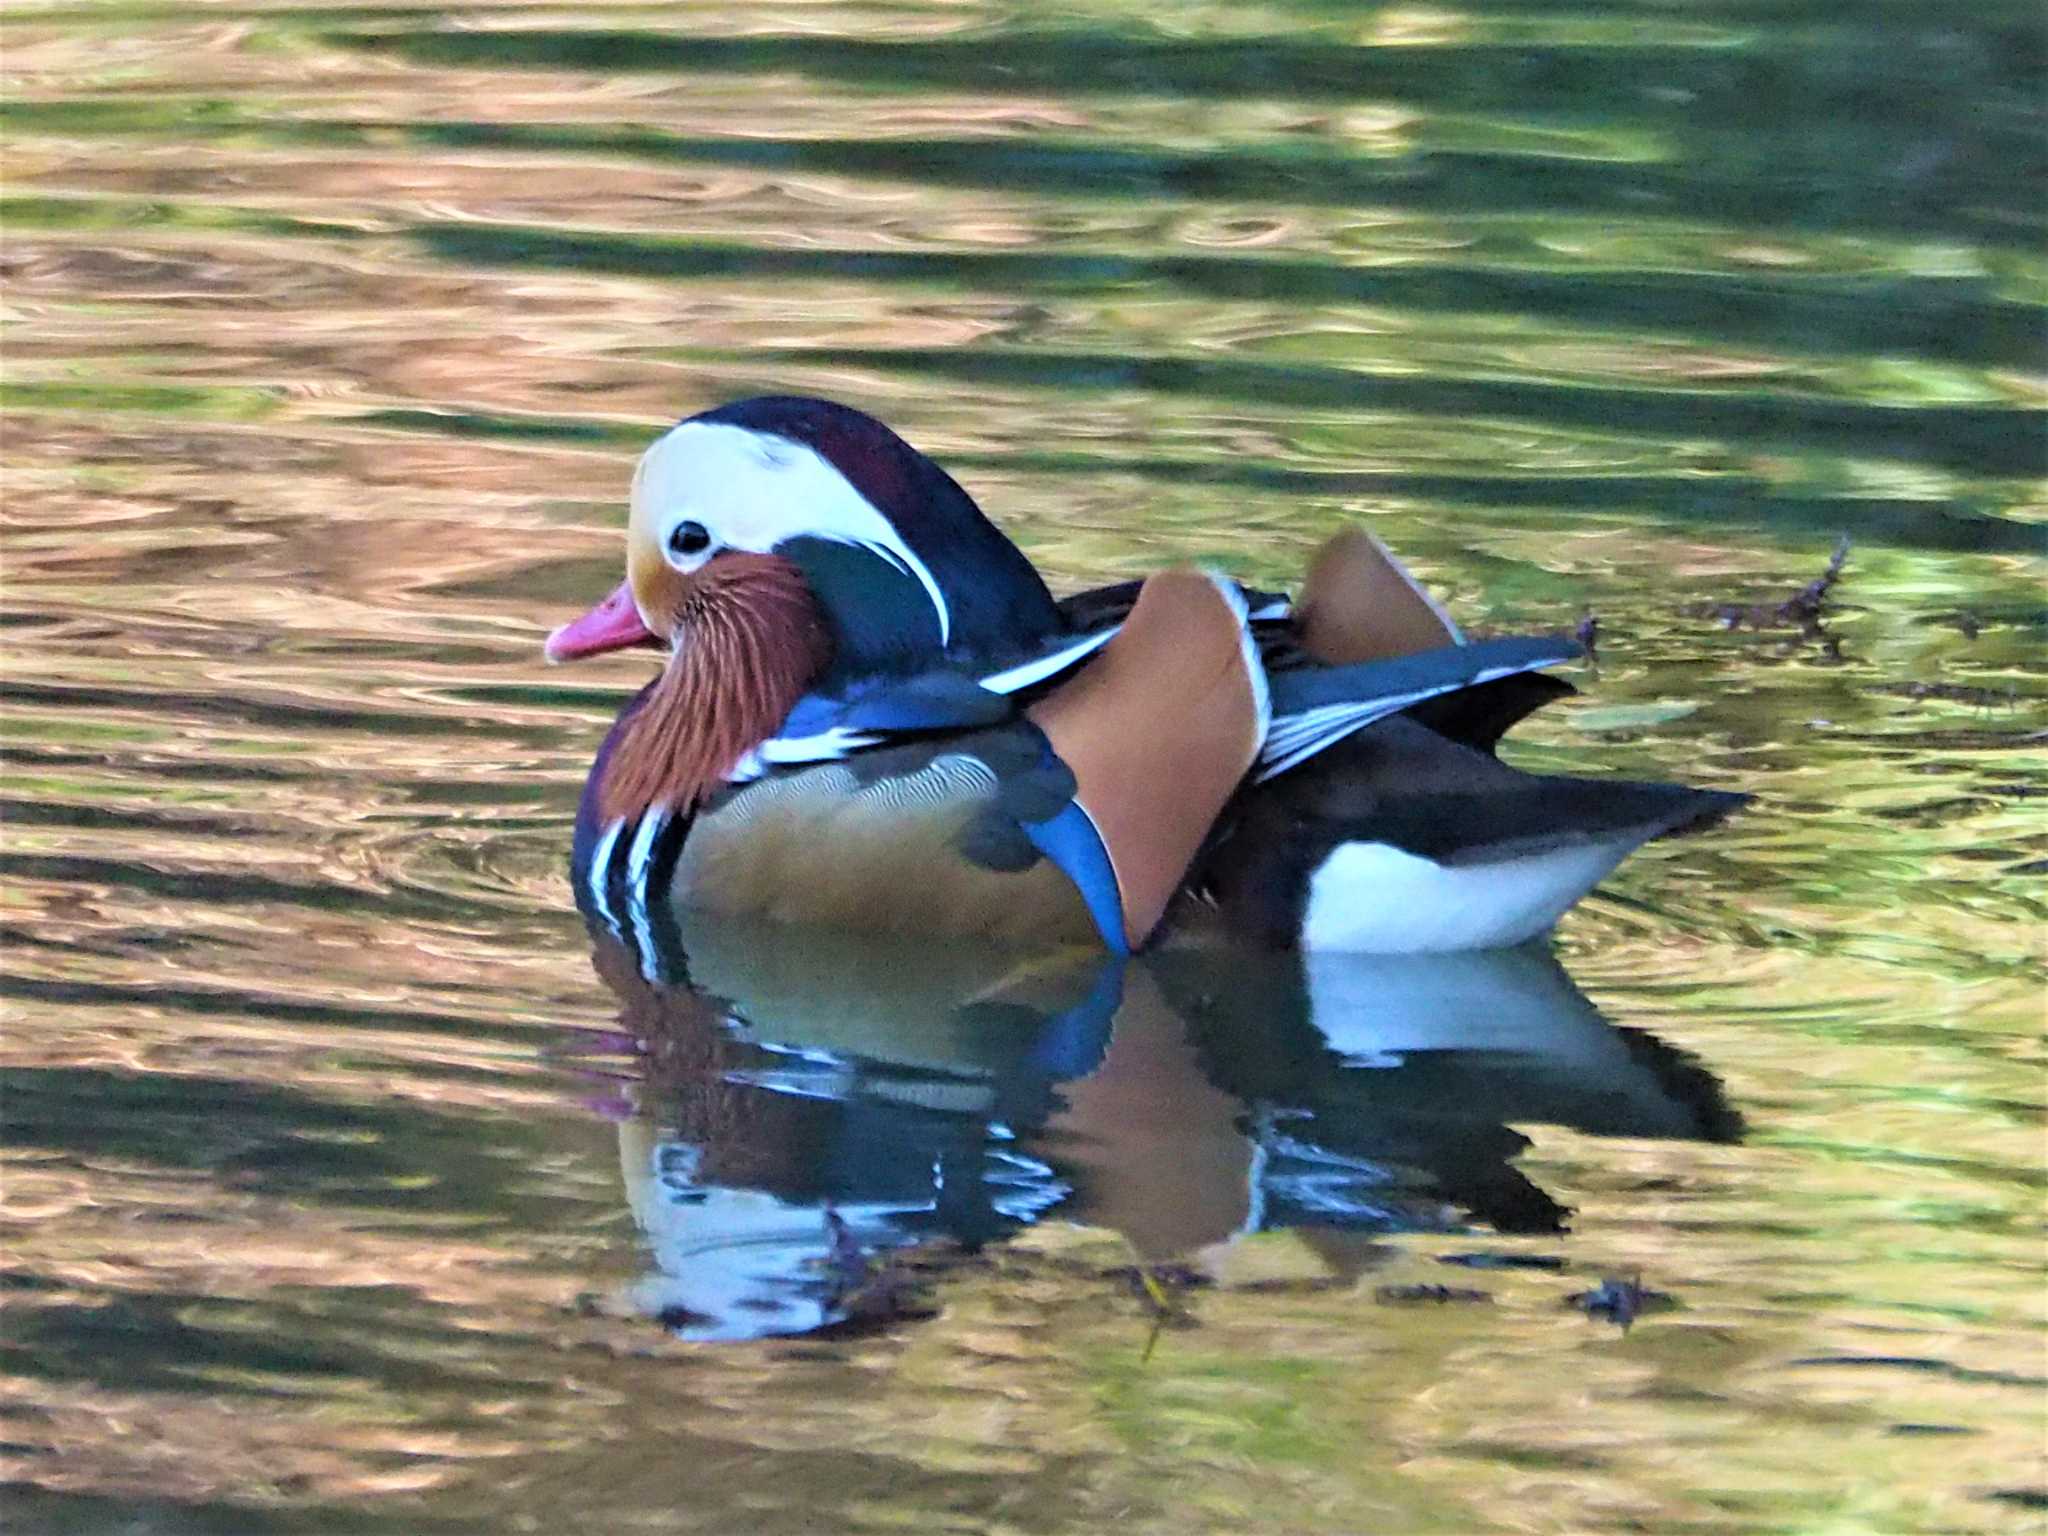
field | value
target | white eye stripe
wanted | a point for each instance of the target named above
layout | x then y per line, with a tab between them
753	491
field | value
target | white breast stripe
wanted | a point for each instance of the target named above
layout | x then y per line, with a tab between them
638	897
643	847
600	861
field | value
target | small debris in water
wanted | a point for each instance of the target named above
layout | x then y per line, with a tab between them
1928	1429
1588	635
1803	610
1291	1285
2025	1498
1409	1295
1956	693
1502	1260
845	1259
1620	1301
865	1292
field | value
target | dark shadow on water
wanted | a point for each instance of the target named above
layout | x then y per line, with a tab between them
808	1104
264	1141
1892	313
1868	125
1732	498
1862	74
1985	440
37	1507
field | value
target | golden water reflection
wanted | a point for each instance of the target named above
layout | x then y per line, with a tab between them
331	337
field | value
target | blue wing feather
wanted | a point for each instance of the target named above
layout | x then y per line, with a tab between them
1070	840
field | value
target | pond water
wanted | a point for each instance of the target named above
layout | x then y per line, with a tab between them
352	1186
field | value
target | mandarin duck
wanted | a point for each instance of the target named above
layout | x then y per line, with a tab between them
874	714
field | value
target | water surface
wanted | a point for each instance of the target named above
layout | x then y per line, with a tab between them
352	1185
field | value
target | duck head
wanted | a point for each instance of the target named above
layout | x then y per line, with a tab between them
903	566
781	544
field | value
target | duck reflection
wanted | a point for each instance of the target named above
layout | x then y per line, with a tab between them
810	1099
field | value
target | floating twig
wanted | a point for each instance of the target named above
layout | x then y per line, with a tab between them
1803	610
1158	1288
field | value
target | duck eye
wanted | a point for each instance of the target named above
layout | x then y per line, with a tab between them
689	538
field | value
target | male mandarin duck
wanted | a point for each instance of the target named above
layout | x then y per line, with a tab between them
873	713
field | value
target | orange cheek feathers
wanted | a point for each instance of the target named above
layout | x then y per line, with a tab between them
749	640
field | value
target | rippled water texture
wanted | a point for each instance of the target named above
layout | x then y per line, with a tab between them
350	1188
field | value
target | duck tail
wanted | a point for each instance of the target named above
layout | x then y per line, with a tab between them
1401	841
